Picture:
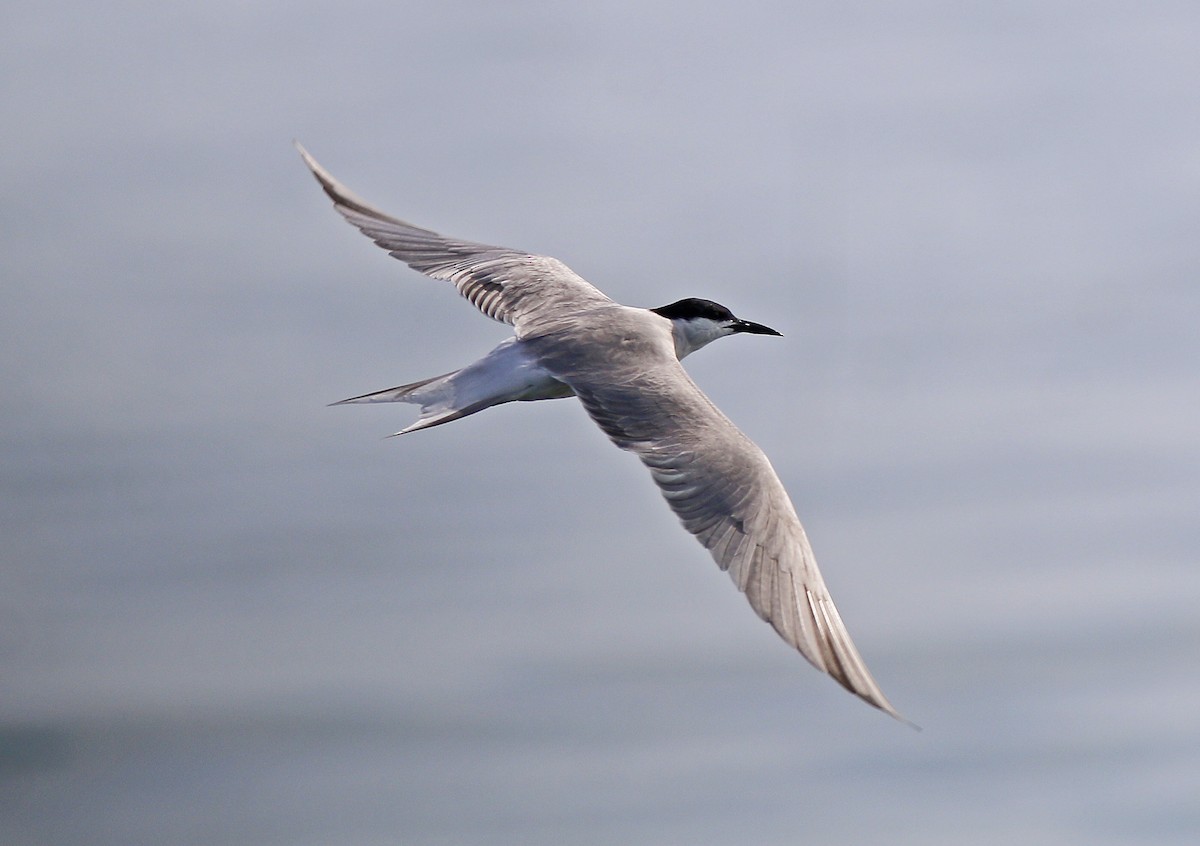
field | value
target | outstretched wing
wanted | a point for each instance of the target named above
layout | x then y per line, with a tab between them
723	489
506	285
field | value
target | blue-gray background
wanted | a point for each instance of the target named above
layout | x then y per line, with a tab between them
231	615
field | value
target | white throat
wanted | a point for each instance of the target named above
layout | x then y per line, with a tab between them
691	335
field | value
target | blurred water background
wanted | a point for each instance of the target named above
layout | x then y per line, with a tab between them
231	615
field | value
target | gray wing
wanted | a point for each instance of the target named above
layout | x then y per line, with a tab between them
724	490
506	285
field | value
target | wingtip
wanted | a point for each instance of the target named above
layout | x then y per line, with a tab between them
896	715
322	176
344	200
304	154
886	707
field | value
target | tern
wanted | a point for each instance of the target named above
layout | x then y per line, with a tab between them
623	364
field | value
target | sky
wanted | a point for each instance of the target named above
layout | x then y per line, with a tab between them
230	614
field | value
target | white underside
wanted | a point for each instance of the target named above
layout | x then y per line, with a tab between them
506	374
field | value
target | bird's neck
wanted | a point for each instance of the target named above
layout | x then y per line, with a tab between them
691	335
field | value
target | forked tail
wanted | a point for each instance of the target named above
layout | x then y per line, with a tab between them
401	393
435	395
509	373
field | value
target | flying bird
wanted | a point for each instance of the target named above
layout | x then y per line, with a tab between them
623	364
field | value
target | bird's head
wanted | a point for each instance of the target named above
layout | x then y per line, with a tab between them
696	322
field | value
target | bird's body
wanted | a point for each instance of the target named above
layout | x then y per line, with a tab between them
509	373
623	364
